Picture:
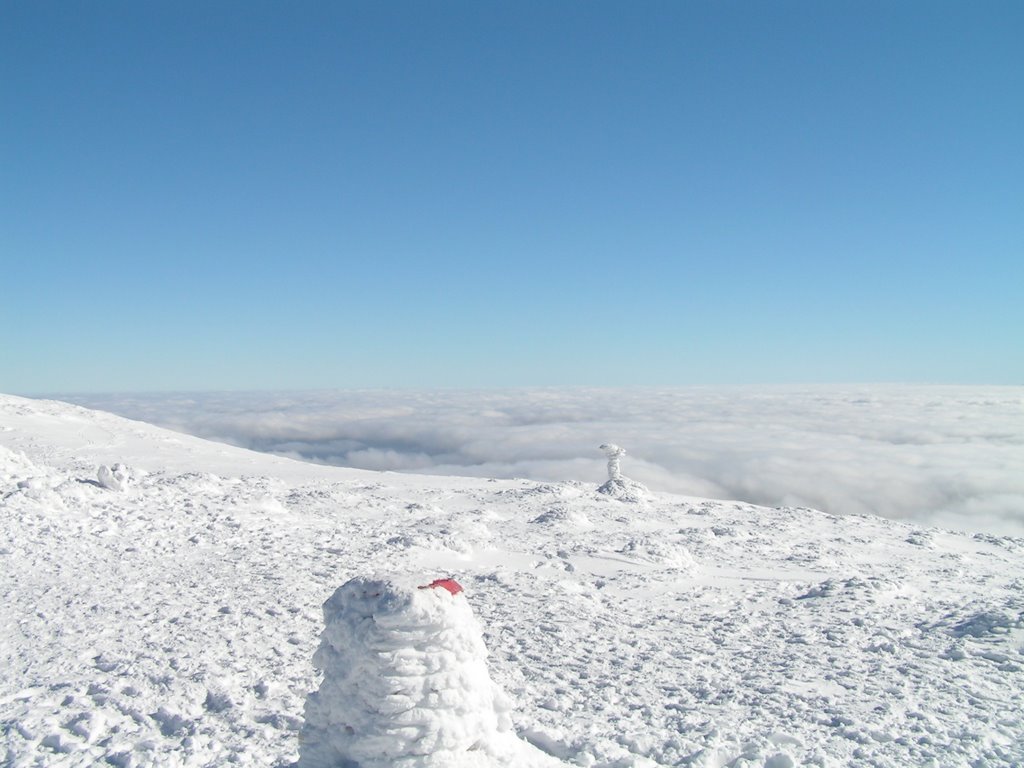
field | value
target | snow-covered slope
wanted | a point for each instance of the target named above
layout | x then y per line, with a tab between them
175	622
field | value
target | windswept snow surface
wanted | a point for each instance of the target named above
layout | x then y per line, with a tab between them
172	620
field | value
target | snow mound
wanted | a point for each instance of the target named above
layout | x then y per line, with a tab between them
652	549
116	478
567	516
624	489
987	623
406	684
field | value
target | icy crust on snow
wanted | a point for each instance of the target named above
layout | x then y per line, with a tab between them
174	623
406	684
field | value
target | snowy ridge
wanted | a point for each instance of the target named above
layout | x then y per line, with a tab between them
174	623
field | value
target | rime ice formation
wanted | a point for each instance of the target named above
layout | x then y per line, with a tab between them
613	452
617	486
406	684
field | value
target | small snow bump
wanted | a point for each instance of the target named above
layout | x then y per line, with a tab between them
217	701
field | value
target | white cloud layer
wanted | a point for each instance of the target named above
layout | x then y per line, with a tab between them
947	456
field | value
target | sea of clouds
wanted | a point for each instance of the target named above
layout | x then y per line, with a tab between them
939	455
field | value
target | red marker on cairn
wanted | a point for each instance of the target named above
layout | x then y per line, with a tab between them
450	584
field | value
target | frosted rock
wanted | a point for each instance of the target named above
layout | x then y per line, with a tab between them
116	478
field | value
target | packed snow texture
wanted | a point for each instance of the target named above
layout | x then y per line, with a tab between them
937	455
406	685
173	623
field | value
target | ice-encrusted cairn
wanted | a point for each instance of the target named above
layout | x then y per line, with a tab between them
613	452
406	685
620	487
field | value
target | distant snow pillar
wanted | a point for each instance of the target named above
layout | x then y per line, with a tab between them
621	488
614	453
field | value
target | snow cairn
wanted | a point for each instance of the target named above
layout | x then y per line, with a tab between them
406	685
618	486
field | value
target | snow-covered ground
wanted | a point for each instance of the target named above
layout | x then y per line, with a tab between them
169	615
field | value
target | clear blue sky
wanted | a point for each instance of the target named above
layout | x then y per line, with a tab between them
208	195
